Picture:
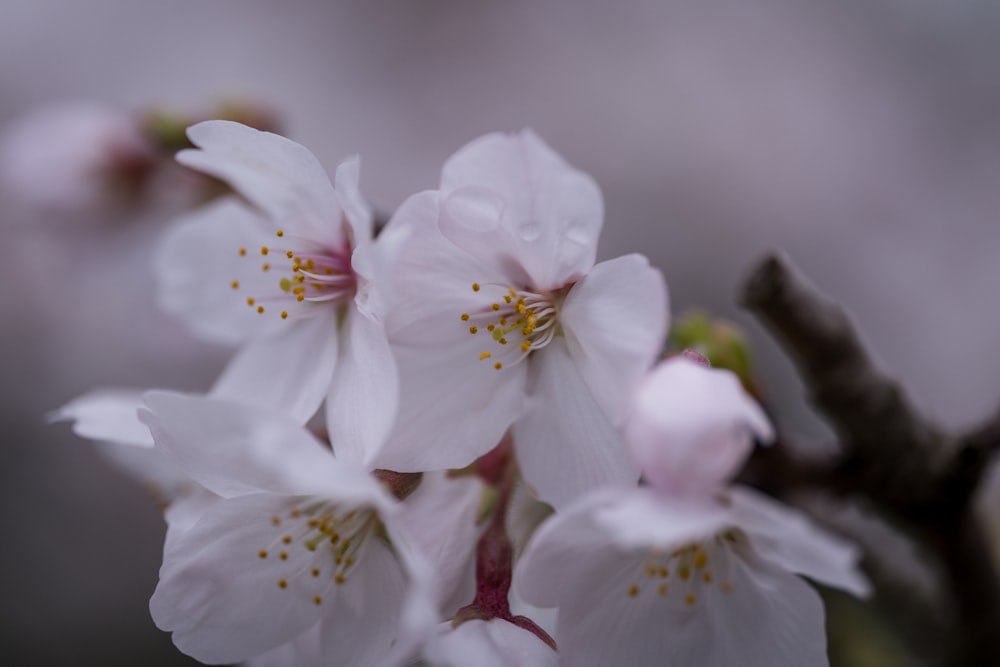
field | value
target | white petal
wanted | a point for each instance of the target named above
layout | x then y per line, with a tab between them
692	427
234	449
197	262
453	408
616	324
276	174
565	443
303	651
363	399
431	277
220	599
439	520
291	372
493	643
642	518
356	209
784	536
359	628
107	415
513	196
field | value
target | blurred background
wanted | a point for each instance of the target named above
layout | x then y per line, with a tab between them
861	138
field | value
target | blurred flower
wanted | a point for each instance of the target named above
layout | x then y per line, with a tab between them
75	157
505	252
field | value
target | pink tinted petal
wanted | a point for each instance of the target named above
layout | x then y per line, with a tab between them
361	625
616	324
290	373
493	643
355	208
303	651
276	174
361	406
565	443
641	518
513	197
199	259
234	449
786	537
692	427
453	408
107	415
221	600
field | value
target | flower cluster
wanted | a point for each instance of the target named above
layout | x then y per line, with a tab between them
451	441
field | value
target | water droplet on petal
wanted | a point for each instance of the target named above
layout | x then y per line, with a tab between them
529	230
475	208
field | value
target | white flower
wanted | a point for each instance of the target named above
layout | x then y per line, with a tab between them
691	427
646	579
295	538
72	157
502	320
492	643
291	278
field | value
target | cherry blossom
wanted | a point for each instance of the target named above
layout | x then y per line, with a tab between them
501	320
290	277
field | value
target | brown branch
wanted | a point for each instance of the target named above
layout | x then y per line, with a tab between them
919	478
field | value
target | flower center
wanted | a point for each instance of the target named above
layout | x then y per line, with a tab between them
683	572
318	544
517	322
312	276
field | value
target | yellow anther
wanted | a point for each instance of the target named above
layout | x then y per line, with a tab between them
295	513
284	314
265	267
260	309
264	250
282	583
700	558
491	327
315	572
707	577
300	297
275	520
498	365
502	341
475	287
279	233
664	573
465	317
339	579
496	306
684	572
290	254
525	346
633	590
287	539
726	586
484	355
243	252
283	555
651	570
262	553
348	562
317	600
506	297
235	284
690	599
251	301
662	589
473	329
310	265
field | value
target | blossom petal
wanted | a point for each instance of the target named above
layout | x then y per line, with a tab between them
359	628
290	373
221	600
764	617
513	197
107	415
363	399
788	538
357	211
199	260
642	518
492	643
616	324
565	443
303	651
692	427
276	174
234	449
453	408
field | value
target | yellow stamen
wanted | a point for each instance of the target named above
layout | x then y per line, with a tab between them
633	591
498	365
484	355
251	301
475	287
473	329
465	317
690	599
280	233
284	314
264	250
243	252
235	284
260	309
